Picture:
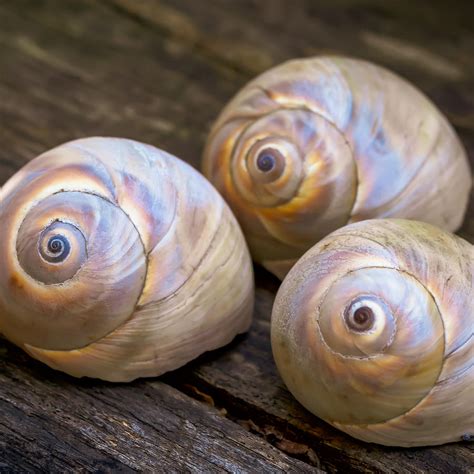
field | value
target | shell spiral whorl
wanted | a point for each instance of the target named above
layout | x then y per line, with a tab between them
114	255
372	331
342	140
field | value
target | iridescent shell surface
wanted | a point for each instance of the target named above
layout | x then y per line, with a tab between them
119	261
404	376
349	141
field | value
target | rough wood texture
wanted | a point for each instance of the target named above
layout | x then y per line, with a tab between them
159	73
50	421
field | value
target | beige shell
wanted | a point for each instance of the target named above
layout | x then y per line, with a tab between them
372	331
119	261
347	141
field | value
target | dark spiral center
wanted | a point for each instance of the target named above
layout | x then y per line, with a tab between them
57	249
55	245
362	315
265	162
360	320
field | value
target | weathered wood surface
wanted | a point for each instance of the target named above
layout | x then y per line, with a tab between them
51	422
159	72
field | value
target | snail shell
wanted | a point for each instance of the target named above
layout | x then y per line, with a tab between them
314	144
119	261
372	331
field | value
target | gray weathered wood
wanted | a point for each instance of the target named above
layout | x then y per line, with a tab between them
52	422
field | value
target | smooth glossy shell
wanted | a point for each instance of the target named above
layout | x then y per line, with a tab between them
119	261
358	142
401	371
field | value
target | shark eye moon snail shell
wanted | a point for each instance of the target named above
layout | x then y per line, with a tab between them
372	331
314	144
119	261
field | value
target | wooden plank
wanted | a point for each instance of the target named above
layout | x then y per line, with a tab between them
250	36
56	423
231	31
86	70
161	76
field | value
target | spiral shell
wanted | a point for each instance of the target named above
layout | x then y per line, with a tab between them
372	331
314	144
119	261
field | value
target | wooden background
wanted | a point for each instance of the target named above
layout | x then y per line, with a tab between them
160	72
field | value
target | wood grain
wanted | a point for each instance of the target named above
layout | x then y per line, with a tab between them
52	422
159	72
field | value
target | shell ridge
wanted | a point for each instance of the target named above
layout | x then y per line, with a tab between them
381	209
176	291
111	185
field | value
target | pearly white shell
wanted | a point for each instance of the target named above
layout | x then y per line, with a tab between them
157	273
407	378
353	141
